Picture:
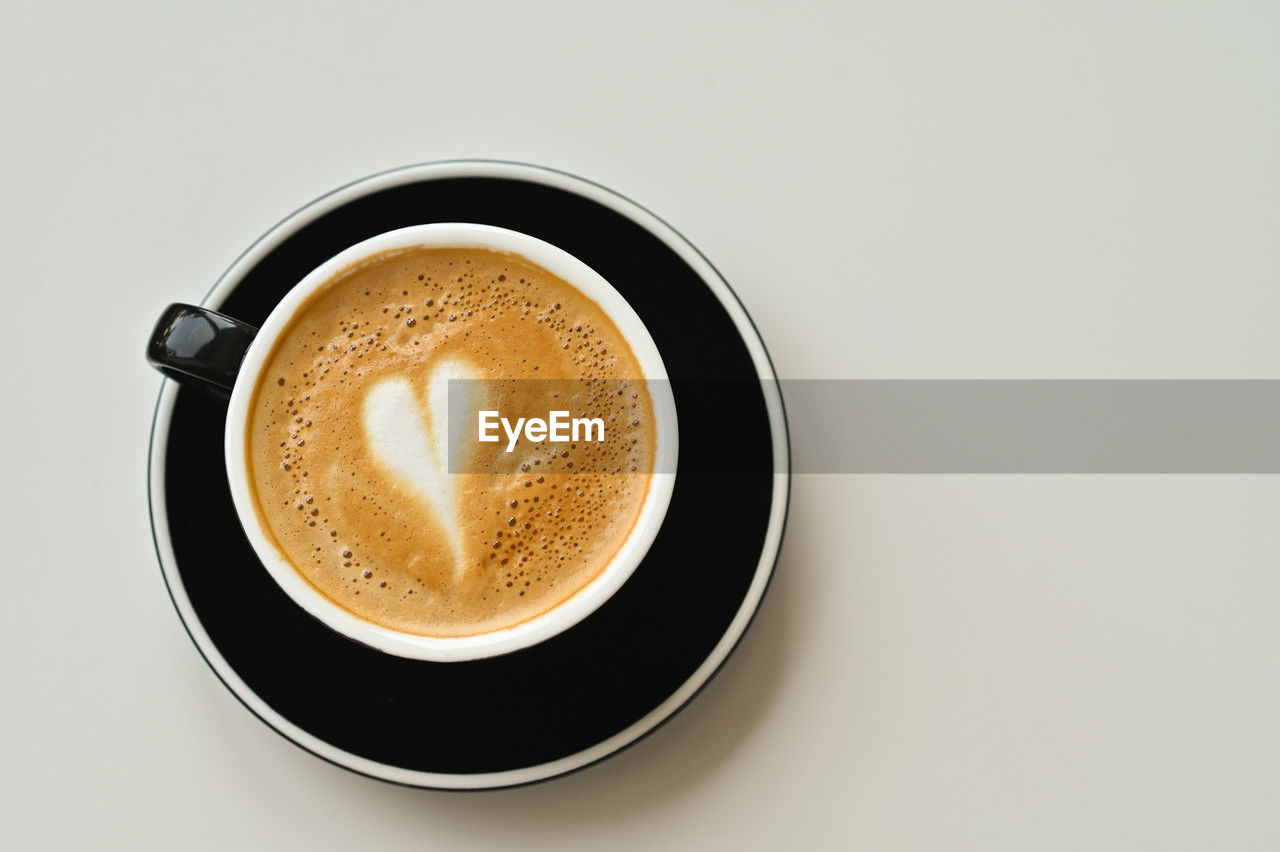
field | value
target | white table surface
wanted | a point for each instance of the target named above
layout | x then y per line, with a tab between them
895	190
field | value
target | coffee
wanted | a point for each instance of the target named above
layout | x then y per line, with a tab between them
348	448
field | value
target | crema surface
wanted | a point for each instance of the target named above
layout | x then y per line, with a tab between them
347	443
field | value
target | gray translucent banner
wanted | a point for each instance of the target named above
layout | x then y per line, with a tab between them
908	426
1034	426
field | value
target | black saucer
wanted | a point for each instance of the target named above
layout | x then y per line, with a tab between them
586	693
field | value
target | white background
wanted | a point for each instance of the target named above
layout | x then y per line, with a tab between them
973	190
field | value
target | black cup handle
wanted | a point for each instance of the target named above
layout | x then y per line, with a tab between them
199	347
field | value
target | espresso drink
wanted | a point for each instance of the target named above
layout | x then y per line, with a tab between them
350	428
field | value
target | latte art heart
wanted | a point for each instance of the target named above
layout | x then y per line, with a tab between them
350	465
412	445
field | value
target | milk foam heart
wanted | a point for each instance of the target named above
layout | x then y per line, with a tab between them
413	446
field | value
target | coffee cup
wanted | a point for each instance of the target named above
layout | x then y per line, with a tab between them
343	475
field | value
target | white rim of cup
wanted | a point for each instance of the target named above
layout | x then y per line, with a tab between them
540	627
441	170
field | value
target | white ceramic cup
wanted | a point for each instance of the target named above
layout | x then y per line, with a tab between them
527	633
